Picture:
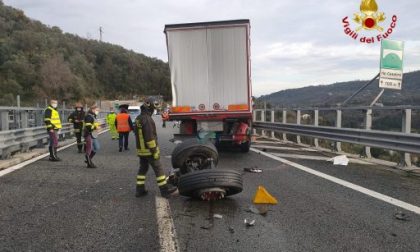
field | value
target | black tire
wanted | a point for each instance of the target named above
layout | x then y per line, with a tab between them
245	146
229	180
192	149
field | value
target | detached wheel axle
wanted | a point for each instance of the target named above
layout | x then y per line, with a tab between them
211	194
210	184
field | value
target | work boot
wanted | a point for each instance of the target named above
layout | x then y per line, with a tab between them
80	147
120	149
52	157
55	155
89	162
140	191
167	190
92	154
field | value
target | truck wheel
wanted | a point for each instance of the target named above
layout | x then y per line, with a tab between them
245	146
206	183
192	155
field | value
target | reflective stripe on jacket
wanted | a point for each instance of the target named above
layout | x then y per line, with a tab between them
110	119
146	137
122	122
52	118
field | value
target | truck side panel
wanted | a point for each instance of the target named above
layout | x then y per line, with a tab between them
189	68
228	80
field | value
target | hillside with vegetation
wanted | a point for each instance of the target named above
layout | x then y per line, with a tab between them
39	62
333	94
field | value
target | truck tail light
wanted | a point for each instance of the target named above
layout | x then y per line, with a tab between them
235	107
181	109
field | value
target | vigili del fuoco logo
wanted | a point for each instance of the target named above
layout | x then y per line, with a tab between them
369	20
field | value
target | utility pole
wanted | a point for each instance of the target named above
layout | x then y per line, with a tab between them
101	31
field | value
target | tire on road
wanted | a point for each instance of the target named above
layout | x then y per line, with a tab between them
229	180
193	150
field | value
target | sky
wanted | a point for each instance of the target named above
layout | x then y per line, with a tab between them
293	43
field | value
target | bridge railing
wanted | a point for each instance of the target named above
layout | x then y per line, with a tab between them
22	140
27	117
306	122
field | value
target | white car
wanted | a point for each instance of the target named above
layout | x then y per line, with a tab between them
134	111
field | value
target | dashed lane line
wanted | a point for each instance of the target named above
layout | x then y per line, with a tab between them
166	228
379	196
33	160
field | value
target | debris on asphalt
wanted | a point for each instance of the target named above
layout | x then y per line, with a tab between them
261	210
207	227
218	216
249	223
264	150
262	196
175	141
231	230
186	215
401	216
253	170
339	160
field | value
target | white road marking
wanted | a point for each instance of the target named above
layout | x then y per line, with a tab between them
320	158
347	184
33	160
166	228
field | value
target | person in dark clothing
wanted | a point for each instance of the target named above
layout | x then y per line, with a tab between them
91	135
53	123
124	125
148	150
77	118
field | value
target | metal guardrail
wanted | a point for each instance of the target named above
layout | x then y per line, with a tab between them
12	118
22	140
386	140
403	141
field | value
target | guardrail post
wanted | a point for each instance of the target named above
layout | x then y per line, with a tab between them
4	117
272	120
254	119
298	121
263	112
284	120
337	145
406	128
316	124
368	126
63	115
24	116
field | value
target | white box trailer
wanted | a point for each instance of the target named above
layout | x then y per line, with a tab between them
211	78
210	67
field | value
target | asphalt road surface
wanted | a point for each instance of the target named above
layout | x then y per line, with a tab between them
63	206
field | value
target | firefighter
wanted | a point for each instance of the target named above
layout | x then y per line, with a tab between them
53	123
124	125
91	135
110	120
77	118
148	150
